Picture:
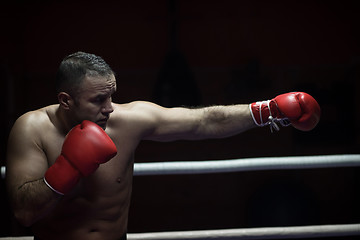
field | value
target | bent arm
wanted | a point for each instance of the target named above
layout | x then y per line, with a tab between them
169	124
30	198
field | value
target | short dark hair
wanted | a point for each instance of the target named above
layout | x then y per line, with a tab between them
75	67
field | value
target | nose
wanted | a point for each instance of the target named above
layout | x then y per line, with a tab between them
107	107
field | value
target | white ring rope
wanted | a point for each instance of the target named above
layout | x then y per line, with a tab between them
255	233
251	164
3	172
319	231
247	164
244	164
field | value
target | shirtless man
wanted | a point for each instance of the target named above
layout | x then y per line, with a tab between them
80	187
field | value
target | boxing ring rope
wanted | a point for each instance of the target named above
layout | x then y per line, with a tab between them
248	164
340	230
251	164
243	164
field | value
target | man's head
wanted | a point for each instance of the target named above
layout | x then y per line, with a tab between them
75	67
85	84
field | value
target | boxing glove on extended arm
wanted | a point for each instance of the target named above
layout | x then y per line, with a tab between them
296	108
85	147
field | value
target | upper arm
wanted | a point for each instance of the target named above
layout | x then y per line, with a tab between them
26	160
167	124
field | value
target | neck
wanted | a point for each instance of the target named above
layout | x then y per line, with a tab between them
65	123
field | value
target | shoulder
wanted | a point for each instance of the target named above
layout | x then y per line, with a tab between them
137	110
138	117
136	106
33	123
35	118
153	122
150	112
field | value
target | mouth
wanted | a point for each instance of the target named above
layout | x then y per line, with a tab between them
102	120
102	123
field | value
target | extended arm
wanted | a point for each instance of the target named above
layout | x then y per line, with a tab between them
167	124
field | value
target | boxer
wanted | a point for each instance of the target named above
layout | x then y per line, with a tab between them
70	165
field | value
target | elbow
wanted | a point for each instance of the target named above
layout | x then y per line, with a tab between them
25	218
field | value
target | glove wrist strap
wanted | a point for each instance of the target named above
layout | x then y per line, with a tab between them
262	115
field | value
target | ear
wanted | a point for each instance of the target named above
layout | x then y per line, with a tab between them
65	100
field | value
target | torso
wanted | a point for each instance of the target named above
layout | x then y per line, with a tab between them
98	206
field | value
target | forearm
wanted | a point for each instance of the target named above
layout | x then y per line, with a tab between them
32	201
225	121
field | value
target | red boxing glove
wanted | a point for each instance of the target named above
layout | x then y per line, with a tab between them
85	147
296	108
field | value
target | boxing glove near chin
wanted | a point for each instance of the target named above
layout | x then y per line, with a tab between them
296	108
85	147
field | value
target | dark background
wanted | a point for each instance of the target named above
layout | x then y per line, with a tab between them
203	53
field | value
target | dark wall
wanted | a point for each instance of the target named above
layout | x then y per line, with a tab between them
205	53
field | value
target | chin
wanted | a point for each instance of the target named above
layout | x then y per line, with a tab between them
103	126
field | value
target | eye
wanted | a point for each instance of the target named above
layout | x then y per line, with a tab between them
98	99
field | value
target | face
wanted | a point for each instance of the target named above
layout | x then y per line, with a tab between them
94	100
